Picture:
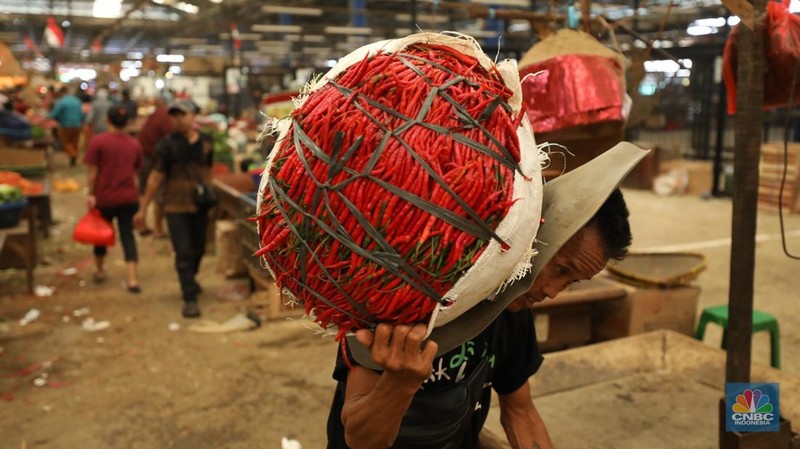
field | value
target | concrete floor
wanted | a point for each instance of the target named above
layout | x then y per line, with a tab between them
688	223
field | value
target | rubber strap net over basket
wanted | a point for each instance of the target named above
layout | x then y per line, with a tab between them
404	187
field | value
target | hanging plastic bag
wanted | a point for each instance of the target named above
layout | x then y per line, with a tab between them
93	229
782	49
575	82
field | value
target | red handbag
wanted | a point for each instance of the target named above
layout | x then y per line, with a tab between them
93	229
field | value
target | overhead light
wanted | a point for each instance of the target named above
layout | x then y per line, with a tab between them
275	9
277	28
186	7
135	55
485	34
65	24
330	63
716	22
348	30
519	27
658	43
661	66
304	38
733	21
700	30
170	58
107	9
176	69
425	18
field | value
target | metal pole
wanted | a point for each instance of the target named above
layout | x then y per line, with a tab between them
749	103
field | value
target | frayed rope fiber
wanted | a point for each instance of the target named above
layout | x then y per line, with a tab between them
389	185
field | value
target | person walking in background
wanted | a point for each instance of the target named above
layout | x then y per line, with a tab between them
130	104
112	159
68	112
96	120
157	126
183	159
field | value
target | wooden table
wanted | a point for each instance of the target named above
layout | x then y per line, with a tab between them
566	321
18	247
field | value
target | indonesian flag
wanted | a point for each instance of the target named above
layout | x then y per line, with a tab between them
31	45
53	34
237	43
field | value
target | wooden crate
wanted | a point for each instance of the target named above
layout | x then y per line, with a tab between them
770	175
267	302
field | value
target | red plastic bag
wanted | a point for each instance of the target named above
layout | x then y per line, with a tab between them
782	47
573	90
93	229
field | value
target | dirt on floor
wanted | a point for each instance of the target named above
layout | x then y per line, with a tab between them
147	381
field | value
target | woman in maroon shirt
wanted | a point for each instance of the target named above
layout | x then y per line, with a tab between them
112	159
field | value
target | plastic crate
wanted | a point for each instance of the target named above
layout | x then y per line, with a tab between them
11	213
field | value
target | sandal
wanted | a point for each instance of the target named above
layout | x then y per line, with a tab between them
99	278
133	289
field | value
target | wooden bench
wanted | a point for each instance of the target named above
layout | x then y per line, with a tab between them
18	247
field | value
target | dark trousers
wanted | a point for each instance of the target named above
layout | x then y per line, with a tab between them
188	234
124	215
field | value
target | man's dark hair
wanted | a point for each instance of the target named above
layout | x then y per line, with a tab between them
612	223
118	116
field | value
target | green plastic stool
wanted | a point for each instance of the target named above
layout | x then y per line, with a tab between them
762	321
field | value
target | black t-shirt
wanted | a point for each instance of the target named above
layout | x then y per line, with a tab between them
508	346
182	164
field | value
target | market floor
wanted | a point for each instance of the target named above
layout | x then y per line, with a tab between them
143	384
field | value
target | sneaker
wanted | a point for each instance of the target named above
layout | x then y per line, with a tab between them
190	310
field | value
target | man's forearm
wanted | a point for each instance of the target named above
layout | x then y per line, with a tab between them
153	183
521	421
91	177
373	420
526	430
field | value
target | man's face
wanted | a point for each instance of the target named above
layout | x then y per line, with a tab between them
579	259
181	121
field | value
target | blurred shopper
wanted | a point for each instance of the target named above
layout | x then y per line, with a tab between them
183	159
68	112
96	120
157	126
130	104
112	159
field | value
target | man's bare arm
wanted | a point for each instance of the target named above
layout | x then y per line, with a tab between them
376	403
521	421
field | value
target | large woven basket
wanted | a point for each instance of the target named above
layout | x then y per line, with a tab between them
662	270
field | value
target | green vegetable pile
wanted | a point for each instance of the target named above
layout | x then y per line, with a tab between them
10	194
